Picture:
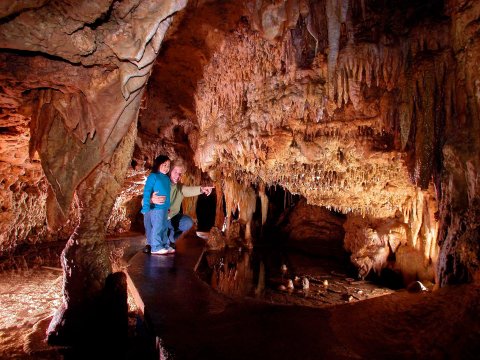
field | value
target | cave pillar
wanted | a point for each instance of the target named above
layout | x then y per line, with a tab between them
86	312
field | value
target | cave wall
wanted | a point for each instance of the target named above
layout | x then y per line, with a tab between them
24	188
73	75
459	207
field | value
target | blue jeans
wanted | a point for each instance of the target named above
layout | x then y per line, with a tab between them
177	226
155	222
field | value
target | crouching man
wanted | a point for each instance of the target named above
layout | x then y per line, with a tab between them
178	223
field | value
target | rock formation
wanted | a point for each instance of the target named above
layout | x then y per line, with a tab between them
77	93
357	108
369	109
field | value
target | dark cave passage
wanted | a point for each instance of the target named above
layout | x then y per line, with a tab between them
205	211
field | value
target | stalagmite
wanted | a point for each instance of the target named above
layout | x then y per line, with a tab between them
243	199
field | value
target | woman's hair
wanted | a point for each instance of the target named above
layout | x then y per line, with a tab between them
159	160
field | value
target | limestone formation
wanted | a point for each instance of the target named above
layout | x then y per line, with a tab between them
77	93
355	118
216	240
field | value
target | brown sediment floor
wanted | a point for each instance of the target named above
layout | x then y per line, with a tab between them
338	290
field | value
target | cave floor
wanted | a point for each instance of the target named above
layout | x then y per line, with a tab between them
31	291
194	321
28	300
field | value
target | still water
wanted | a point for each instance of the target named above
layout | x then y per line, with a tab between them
285	276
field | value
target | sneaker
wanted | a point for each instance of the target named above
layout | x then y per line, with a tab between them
147	249
171	250
160	252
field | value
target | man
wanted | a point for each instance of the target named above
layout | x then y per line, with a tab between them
179	223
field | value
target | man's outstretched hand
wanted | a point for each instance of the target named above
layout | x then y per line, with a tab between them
207	190
158	199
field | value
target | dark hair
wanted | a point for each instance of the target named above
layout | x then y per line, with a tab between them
159	160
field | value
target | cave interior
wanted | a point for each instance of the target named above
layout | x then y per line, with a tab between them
338	128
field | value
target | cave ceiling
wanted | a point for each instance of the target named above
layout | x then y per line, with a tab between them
314	96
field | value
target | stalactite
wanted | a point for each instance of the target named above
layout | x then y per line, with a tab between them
424	137
241	198
264	202
286	113
336	12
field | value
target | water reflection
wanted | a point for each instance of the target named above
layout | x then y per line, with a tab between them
234	272
283	277
239	272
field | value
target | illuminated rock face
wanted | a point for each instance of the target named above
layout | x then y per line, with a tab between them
73	74
359	116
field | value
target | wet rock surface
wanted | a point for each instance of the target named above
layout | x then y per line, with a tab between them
29	299
196	321
31	291
263	275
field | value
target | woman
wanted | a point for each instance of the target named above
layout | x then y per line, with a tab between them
155	215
